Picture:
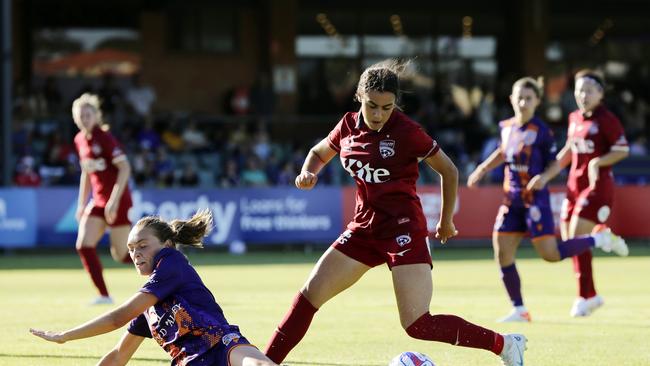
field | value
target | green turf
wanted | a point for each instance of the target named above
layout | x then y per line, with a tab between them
359	327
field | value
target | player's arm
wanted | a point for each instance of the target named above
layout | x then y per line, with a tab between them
316	159
562	159
448	172
84	191
123	351
123	173
105	323
494	160
611	158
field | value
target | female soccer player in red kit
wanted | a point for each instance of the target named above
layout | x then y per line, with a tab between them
527	148
595	141
381	147
104	169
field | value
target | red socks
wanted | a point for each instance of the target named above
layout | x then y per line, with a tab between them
291	330
93	266
455	330
584	274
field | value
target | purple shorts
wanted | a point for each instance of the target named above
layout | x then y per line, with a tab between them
219	355
535	220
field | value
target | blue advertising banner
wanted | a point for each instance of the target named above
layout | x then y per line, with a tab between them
17	217
274	215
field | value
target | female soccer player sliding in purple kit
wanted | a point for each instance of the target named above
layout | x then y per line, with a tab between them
381	147
595	141
174	307
527	148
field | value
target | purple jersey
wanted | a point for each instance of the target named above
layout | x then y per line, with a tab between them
187	321
527	151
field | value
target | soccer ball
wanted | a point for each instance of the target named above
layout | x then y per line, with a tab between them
411	359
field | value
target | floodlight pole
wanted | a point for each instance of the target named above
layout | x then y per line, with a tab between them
5	90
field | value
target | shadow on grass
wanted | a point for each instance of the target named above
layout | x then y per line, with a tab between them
68	259
8	355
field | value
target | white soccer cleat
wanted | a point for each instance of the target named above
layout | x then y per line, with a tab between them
610	242
514	346
517	314
102	300
584	307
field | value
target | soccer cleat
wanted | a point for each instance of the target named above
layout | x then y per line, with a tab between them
584	307
610	242
518	314
102	300
514	346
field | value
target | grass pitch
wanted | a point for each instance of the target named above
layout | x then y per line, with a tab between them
359	327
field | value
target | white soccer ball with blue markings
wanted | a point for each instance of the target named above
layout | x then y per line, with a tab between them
411	359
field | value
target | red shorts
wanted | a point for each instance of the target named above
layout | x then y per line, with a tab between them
122	217
593	205
403	249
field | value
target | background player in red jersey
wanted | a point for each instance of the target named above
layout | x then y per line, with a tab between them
104	169
174	307
381	148
527	148
595	141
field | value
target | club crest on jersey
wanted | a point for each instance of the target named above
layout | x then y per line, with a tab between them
387	148
97	149
230	337
593	129
402	240
529	137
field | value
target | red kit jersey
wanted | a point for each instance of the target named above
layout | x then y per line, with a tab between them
591	137
97	156
384	165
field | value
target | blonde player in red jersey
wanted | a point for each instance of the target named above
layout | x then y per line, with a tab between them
105	170
380	147
595	141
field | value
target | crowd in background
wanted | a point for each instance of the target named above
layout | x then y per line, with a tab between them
181	149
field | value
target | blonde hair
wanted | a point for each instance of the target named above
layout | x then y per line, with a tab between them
90	100
180	232
528	82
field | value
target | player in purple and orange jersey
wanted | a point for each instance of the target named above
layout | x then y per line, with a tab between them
381	147
174	307
105	170
595	141
527	148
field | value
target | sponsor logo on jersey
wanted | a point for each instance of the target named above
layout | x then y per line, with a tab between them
343	238
398	254
402	240
365	172
520	168
230	337
403	220
349	143
582	146
387	148
93	165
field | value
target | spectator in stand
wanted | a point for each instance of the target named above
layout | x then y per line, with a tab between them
172	138
148	137
254	175
230	178
26	175
194	138
140	97
164	168
189	178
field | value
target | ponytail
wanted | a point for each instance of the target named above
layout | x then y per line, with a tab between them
180	232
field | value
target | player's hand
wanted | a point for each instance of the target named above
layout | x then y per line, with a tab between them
110	211
536	183
475	177
56	337
593	171
445	231
306	180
